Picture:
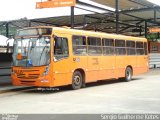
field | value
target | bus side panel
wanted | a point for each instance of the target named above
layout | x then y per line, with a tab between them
120	66
107	67
131	61
62	72
142	64
79	63
93	68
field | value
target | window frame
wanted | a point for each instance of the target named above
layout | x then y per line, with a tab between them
79	45
131	48
108	46
120	47
95	46
56	37
139	48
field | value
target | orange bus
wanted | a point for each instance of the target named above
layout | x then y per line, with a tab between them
53	56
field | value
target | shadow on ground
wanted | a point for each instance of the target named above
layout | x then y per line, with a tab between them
68	88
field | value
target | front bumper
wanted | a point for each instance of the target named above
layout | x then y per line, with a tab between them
39	82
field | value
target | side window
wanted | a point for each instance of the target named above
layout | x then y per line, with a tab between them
60	48
79	45
120	47
94	46
130	45
139	48
145	48
108	46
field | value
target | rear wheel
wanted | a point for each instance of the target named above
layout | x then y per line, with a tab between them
77	80
128	74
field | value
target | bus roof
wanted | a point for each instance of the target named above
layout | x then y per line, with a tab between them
90	33
96	34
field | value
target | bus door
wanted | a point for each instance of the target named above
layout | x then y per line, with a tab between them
61	66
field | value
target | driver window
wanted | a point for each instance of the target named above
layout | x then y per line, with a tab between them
60	48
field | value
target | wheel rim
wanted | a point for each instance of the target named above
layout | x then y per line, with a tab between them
77	80
128	74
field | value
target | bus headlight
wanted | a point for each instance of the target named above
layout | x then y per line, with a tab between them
44	81
46	70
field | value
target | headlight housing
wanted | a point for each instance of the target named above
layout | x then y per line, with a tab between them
46	70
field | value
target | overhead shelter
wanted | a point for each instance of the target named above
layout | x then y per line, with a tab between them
130	17
135	11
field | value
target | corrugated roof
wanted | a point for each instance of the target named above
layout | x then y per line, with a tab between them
125	4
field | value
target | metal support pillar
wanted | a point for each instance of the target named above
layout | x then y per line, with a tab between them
117	16
155	15
145	29
72	16
84	22
29	23
140	32
7	29
95	27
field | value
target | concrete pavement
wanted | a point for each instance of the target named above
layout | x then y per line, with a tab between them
138	96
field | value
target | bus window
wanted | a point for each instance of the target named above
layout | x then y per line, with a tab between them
94	46
139	48
79	45
130	47
108	46
60	48
120	47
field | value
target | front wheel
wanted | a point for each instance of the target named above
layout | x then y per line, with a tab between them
77	80
128	74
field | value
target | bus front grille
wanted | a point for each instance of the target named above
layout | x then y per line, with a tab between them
28	76
33	76
26	82
20	75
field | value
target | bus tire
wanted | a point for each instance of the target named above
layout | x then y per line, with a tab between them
128	74
77	80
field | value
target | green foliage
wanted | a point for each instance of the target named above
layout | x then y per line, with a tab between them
153	36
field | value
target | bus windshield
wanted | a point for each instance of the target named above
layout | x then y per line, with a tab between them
31	51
